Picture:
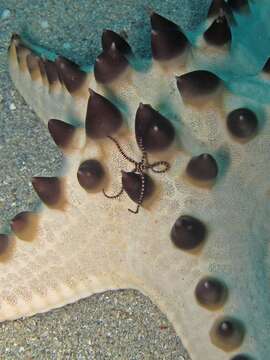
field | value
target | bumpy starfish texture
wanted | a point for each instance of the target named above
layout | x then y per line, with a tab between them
191	154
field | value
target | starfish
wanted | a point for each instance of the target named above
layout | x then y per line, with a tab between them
196	144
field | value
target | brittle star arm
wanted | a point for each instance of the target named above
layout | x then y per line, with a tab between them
113	196
127	158
155	165
144	153
122	151
141	194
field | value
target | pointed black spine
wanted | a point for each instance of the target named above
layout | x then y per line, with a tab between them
70	74
102	117
109	65
219	33
167	39
151	128
109	37
50	70
61	132
197	83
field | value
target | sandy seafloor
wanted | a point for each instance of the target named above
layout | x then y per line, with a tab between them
117	324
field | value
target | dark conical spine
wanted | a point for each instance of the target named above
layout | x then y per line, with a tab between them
109	65
132	184
70	74
167	39
102	117
109	37
61	132
197	83
153	130
48	189
219	33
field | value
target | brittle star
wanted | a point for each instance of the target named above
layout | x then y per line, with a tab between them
140	168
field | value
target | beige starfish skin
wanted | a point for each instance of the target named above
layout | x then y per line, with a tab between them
87	243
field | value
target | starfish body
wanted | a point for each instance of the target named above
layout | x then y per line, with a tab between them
194	243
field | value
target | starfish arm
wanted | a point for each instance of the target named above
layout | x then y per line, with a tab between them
37	78
207	218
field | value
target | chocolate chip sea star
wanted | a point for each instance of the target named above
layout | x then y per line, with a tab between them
199	244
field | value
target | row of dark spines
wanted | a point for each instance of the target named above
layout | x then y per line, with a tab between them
103	118
227	333
156	132
167	41
90	176
187	233
191	85
60	70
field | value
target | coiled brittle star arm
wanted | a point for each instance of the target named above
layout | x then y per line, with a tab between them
127	158
139	168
